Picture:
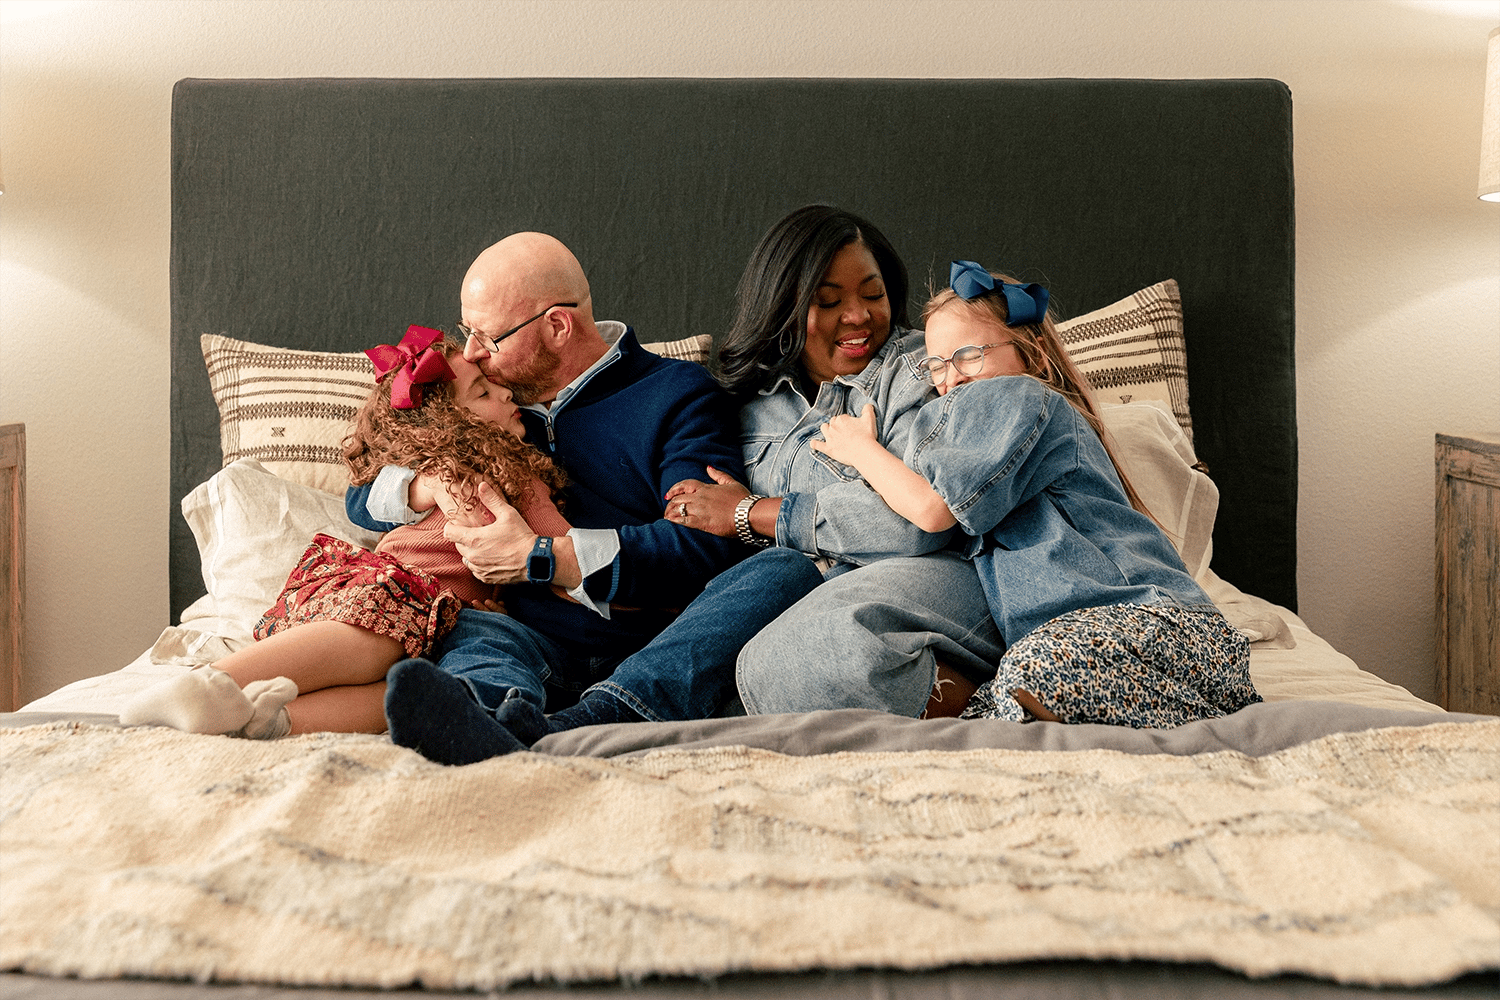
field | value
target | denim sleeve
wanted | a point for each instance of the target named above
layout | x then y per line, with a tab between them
850	522
846	519
987	447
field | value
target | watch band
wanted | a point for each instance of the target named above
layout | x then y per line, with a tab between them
541	564
742	523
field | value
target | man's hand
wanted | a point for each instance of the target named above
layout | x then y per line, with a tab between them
471	511
495	552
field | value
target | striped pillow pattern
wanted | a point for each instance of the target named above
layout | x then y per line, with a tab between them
687	349
1134	350
288	409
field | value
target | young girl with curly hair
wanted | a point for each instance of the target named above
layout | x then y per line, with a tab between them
346	614
1102	622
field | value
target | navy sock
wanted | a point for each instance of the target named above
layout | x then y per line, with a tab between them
524	720
596	709
431	711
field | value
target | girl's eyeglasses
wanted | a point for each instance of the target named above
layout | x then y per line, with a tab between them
968	360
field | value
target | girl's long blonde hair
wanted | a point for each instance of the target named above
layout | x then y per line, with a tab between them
1046	360
439	436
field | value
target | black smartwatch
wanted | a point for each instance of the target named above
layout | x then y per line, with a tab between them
541	565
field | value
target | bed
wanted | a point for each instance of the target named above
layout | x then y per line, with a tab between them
1336	840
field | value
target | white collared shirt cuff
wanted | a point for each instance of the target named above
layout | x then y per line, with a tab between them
595	548
389	495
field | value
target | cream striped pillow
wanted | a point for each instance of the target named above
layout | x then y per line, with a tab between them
687	349
1134	350
289	410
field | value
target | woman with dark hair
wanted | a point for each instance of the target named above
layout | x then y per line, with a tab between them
900	624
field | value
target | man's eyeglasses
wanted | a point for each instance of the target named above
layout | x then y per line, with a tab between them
968	360
492	344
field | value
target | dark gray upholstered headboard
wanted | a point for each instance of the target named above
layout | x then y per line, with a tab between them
332	213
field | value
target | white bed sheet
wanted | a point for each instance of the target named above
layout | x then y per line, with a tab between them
1288	661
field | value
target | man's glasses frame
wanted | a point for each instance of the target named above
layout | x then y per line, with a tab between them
968	360
492	344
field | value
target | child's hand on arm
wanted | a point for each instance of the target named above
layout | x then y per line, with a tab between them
852	441
470	513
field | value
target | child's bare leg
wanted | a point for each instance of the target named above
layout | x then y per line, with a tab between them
316	655
1028	701
950	694
354	708
255	691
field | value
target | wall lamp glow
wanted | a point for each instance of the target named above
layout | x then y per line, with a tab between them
1489	137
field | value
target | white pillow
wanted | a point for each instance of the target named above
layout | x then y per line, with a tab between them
1158	457
251	527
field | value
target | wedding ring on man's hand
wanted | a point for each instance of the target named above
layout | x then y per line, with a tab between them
682	510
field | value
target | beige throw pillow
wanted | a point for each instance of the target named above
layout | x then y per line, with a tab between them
687	349
290	410
1134	350
287	409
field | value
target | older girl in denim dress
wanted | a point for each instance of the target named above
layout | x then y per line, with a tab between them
1101	620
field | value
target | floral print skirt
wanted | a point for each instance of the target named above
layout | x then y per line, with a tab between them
337	581
1146	666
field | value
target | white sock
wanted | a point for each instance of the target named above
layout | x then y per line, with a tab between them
270	720
203	700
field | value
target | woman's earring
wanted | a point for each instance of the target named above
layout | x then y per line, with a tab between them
785	341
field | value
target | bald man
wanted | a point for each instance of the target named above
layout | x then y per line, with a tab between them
627	617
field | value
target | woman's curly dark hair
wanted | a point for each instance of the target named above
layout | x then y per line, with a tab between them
441	437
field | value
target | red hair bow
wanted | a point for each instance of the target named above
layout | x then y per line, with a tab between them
415	361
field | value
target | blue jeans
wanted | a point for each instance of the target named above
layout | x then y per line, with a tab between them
685	672
869	638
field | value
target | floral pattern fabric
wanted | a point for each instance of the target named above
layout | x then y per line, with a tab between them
1145	666
337	581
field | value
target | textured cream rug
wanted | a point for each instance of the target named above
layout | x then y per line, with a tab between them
1367	858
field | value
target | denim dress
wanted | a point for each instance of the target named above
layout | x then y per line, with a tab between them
1101	620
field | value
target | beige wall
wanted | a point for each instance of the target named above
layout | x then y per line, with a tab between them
1398	276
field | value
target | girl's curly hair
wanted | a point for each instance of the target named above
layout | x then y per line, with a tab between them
441	437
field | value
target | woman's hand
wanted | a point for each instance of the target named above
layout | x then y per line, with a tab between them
847	439
706	506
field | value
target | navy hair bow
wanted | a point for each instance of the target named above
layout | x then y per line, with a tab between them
1023	303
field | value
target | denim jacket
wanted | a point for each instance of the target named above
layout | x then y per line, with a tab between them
826	508
1051	530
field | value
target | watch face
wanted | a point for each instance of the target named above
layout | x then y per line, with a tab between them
540	564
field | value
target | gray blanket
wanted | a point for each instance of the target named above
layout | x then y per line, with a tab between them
1255	731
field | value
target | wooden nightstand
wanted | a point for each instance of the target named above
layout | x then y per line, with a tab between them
1468	572
12	560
